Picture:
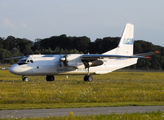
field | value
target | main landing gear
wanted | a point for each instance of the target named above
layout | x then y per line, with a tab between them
88	78
50	78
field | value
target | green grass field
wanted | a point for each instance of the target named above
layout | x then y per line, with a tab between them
113	89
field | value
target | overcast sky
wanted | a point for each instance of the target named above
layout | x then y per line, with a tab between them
33	19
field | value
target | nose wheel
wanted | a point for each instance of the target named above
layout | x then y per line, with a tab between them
25	78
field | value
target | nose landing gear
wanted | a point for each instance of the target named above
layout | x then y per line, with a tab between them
24	78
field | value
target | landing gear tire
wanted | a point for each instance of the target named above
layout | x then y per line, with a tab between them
50	78
25	79
88	78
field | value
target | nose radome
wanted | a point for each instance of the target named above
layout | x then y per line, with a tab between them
11	69
14	69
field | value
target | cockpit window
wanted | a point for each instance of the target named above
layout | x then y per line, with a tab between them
24	61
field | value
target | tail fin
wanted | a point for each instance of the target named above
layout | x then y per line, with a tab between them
125	46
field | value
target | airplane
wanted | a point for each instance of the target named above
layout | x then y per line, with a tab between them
80	64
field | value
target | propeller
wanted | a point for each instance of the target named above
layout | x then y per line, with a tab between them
64	60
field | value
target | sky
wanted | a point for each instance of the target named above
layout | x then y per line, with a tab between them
32	19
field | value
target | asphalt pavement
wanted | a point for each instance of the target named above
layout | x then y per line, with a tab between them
77	111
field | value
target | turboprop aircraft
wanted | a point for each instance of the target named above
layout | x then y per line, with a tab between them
80	64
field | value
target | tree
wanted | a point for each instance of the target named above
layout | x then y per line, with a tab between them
9	43
5	54
1	43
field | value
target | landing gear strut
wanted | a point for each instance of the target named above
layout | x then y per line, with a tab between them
24	78
50	78
88	78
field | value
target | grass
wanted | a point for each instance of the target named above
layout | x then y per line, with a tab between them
74	105
113	89
4	66
159	115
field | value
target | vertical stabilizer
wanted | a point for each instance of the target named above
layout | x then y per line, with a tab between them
125	46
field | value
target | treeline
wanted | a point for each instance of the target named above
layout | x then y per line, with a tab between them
12	47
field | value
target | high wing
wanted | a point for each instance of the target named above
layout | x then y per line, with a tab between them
15	57
100	56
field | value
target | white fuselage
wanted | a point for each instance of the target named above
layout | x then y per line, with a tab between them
52	65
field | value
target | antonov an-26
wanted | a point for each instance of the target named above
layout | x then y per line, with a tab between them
80	64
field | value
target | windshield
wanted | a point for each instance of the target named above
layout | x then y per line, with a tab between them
24	61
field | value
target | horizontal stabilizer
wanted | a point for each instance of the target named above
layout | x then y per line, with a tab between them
148	53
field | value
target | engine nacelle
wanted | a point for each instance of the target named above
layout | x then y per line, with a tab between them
73	60
93	63
96	63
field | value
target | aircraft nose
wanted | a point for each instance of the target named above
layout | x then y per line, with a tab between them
14	69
